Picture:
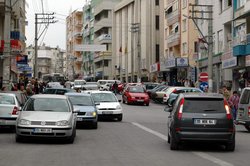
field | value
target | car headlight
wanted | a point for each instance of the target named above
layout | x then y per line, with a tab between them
118	107
24	122
62	123
90	114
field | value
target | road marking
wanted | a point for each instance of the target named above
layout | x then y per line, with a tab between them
200	154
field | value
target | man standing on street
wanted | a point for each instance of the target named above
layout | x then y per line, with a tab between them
115	87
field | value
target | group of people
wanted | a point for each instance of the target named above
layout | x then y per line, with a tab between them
232	99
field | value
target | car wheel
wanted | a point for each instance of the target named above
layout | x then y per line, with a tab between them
168	139
230	146
173	144
123	101
71	139
95	125
147	104
247	127
119	118
19	138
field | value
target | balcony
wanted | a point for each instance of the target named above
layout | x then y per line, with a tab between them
78	35
105	55
241	45
104	22
170	1
103	39
173	39
173	17
86	32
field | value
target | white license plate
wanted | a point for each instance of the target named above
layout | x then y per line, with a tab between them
140	100
41	130
79	119
2	121
107	112
204	121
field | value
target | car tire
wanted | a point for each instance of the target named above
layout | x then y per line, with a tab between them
119	118
19	138
71	139
95	125
173	144
123	101
230	146
147	104
168	140
247	127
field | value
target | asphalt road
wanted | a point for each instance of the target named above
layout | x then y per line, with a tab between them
139	140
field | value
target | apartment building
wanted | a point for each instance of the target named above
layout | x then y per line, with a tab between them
103	21
241	43
74	24
12	27
181	38
137	43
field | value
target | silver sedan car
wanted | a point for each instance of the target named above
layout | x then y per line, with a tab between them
49	116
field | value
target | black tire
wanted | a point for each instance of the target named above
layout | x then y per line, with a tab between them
168	139
230	146
123	101
71	139
19	138
247	127
119	118
173	144
147	104
95	125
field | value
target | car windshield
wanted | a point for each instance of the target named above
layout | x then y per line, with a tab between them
81	100
136	89
47	104
104	97
6	99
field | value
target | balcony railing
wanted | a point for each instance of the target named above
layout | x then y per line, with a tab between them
241	45
173	39
173	17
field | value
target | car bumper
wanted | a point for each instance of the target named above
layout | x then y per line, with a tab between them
110	115
56	132
7	121
205	136
86	119
142	101
242	122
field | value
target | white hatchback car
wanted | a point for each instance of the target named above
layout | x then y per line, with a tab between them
107	104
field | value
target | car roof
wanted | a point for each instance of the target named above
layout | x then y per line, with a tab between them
202	95
49	96
96	91
9	94
77	94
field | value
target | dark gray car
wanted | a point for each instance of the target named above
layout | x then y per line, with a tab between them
200	117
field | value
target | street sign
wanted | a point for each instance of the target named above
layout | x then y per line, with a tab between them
203	77
204	86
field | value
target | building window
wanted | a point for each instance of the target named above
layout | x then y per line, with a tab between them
157	52
157	3
157	22
229	2
196	46
240	3
184	3
184	48
184	25
220	41
221	7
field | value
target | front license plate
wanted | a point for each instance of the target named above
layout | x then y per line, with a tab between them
204	122
79	119
107	112
140	100
41	130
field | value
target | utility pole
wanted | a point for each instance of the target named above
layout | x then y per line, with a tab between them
207	39
41	18
7	55
135	28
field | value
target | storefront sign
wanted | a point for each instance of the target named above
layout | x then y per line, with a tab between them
248	60
182	62
155	67
170	63
229	63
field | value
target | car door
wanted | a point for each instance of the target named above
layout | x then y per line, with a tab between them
244	106
171	116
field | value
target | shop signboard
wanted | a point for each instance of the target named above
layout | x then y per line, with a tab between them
170	63
182	62
154	67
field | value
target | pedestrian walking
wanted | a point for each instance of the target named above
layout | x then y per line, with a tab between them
115	87
225	93
233	103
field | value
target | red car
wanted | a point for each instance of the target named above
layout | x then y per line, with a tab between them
135	95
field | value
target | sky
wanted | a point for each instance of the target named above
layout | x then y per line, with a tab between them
56	33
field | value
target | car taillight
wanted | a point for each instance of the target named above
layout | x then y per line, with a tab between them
227	108
179	115
175	90
15	111
249	111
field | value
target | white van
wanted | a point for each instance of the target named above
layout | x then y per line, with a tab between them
105	82
79	84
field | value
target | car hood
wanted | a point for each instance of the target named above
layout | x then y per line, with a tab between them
108	105
138	94
44	115
85	108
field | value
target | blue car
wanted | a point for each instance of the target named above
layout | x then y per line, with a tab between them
88	112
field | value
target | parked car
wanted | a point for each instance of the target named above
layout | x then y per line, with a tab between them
86	105
152	93
21	96
149	86
90	86
50	116
107	104
79	84
200	117
58	91
243	112
54	85
9	108
158	95
135	95
173	95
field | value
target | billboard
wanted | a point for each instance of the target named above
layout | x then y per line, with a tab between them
91	48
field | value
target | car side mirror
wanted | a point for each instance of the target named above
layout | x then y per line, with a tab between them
168	109
76	110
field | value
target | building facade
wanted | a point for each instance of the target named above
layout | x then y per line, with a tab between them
74	24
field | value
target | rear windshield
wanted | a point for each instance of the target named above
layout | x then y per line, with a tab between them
245	97
203	105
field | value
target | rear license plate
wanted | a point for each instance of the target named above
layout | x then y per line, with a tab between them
40	130
79	119
241	111
107	112
204	122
